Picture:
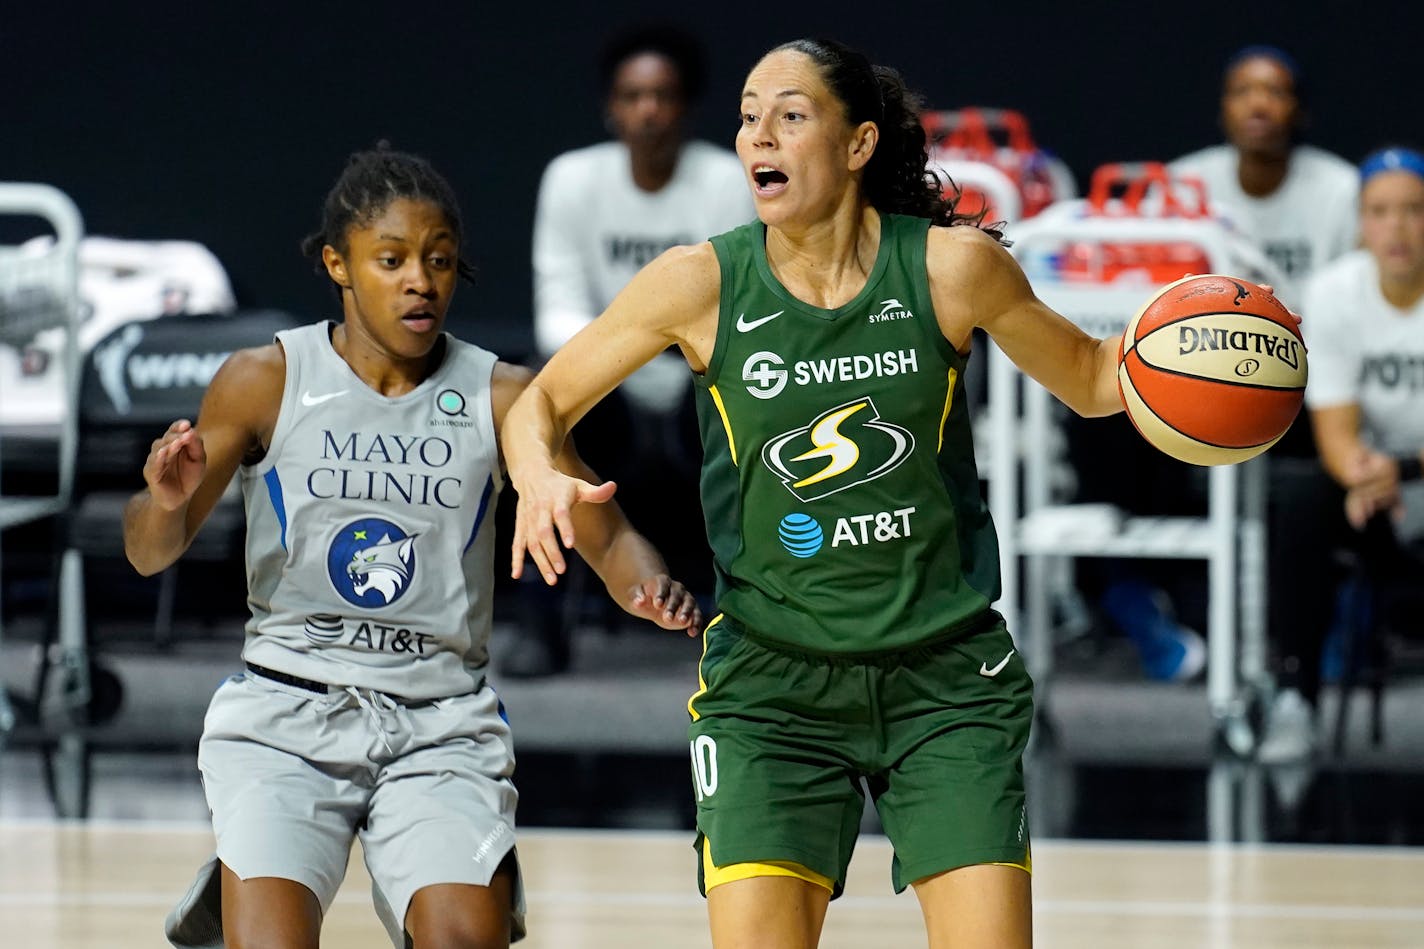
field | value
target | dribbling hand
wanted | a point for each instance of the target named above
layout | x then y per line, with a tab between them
1272	291
175	466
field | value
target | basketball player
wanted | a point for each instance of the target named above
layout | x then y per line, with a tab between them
370	462
855	557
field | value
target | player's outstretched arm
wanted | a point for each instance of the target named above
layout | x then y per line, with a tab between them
975	282
189	466
630	567
672	301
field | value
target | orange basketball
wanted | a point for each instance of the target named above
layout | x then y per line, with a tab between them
1212	370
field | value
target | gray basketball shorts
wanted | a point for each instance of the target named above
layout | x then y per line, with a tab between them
291	776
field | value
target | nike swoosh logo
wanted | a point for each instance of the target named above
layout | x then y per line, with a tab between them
984	669
309	400
745	325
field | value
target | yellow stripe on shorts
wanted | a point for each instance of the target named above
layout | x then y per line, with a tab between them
1026	866
701	682
716	876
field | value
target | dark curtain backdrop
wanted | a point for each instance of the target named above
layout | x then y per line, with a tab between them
226	123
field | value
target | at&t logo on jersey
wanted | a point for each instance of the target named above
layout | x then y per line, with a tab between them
800	535
840	448
803	537
323	629
371	562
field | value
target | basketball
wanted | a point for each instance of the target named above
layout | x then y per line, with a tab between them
1212	370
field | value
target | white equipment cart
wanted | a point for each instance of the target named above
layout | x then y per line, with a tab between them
39	299
1096	261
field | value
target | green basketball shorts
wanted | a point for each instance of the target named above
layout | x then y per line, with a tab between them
781	740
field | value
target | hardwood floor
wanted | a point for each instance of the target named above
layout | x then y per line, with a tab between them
109	885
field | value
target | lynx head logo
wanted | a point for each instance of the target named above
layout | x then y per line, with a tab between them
838	449
371	562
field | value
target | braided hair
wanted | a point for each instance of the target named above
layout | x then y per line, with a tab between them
371	181
897	178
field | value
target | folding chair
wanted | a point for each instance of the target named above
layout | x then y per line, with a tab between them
133	384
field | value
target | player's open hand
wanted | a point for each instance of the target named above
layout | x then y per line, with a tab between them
175	466
544	518
1272	291
665	601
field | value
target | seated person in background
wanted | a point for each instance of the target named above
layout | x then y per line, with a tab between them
1297	201
603	212
1365	329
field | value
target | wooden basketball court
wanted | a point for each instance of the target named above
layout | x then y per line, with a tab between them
108	886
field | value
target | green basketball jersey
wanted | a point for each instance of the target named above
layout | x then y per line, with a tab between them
838	478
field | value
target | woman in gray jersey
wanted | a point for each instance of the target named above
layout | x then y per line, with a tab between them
855	559
369	456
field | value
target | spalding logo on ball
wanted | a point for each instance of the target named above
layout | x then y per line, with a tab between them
1212	370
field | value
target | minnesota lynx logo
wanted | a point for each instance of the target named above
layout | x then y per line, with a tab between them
371	562
840	448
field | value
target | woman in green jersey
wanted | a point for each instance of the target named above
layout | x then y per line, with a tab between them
856	647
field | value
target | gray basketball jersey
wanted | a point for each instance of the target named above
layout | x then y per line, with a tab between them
370	525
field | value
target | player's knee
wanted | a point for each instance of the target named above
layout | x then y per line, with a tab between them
253	937
463	933
460	917
270	914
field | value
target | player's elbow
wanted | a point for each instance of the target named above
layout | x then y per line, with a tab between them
1097	395
144	563
1097	405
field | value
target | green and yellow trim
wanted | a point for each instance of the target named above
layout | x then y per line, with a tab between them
715	876
726	422
701	682
948	403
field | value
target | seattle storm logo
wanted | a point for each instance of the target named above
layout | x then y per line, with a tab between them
840	448
371	562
